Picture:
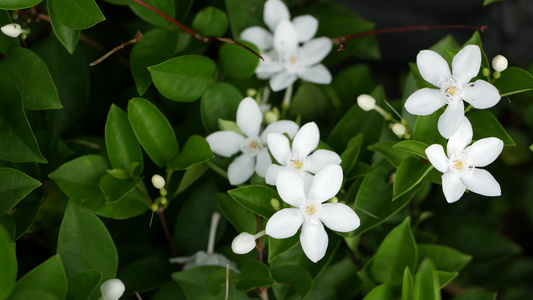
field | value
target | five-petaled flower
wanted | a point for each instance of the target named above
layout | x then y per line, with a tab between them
310	212
284	59
297	158
460	166
254	155
453	88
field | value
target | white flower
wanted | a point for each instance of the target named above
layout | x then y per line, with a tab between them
13	30
243	243
112	289
252	145
453	88
297	158
158	181
284	59
460	166
310	212
499	63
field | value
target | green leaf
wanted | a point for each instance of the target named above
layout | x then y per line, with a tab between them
8	261
229	126
155	47
514	80
68	37
18	4
409	174
353	80
445	277
195	151
33	295
277	247
445	258
83	284
309	101
254	274
210	21
183	78
166	6
291	278
256	198
78	14
153	131
16	137
146	273
32	77
396	252
380	292
386	148
242	219
191	175
485	125
219	101
15	185
243	14
427	282
237	61
426	129
407	285
48	276
123	148
115	189
85	244
351	153
487	2
413	147
195	282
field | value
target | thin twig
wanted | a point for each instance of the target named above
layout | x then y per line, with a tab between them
160	213
138	37
227	282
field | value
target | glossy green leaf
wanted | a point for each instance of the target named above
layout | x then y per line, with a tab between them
243	14
195	282
351	153
191	175
145	274
166	6
229	126
31	75
123	148
380	292
256	198
195	151
183	78
34	295
339	280
237	61
353	80
115	189
132	204
78	14
386	148
8	261
396	252
153	131
15	186
409	174
219	101
291	279
309	101
16	137
514	80
254	274
68	37
120	2
485	125
277	247
242	219
26	213
48	276
359	170
155	47
408	285
210	21
411	146
427	282
445	258
85	244
426	129
18	4
445	277
83	284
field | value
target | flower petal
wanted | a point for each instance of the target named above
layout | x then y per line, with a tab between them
259	36
316	50
481	94
284	223
263	161
314	240
451	119
466	63
326	183
321	158
484	151
316	74
339	217
225	143
482	182
306	26
285	37
290	188
437	158
281	81
249	117
241	169
272	173
432	67
279	147
460	139
274	12
424	102
306	139
267	68
452	186
283	126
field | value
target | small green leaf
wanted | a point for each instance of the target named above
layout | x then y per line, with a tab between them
115	189
380	292
408	285
196	283
255	198
237	61
409	174
310	101
411	146
242	219
426	129
226	125
78	14
166	6
514	80
446	277
191	175
183	78
279	246
386	148
18	4
15	185
219	101
485	125
427	282
195	151
68	37
83	284
34	295
291	278
48	276
153	131
351	153
254	274
243	14
8	261
210	21
445	258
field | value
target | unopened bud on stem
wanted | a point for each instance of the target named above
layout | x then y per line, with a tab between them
366	102
499	63
13	30
158	181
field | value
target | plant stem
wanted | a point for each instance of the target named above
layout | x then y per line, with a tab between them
215	217
161	214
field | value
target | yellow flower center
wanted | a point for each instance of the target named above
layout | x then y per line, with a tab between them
457	165
255	145
451	90
297	164
293	59
310	210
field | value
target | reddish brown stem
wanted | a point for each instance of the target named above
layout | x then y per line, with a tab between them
137	38
259	243
160	213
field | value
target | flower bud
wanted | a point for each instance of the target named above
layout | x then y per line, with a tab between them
13	30
499	63
112	289
398	129
366	102
158	181
243	243
270	117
